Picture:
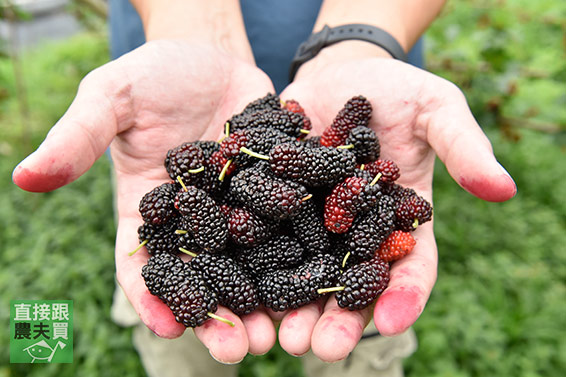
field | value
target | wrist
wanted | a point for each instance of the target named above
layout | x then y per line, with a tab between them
345	51
218	23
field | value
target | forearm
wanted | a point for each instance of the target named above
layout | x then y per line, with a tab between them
405	20
214	22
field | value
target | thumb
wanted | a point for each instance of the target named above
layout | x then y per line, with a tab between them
466	151
78	139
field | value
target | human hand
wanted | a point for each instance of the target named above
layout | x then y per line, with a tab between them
150	100
416	116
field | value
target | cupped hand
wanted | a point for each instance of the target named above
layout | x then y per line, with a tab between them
417	116
148	101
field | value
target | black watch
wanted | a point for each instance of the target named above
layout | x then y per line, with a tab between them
328	36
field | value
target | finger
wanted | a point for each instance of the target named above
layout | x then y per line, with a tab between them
411	281
276	316
338	331
460	143
75	142
226	344
152	311
297	326
260	330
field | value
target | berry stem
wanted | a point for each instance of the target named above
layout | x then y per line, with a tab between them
227	129
180	180
375	179
224	170
197	170
188	252
345	259
362	166
416	223
138	248
254	154
181	231
348	146
306	197
303	131
221	319
322	291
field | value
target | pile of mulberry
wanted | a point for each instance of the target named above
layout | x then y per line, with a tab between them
273	218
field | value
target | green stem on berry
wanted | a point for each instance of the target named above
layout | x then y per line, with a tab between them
254	154
303	131
224	170
345	259
416	223
306	197
180	180
138	248
221	319
362	166
188	252
348	146
181	231
282	102
197	170
322	291
227	129
375	179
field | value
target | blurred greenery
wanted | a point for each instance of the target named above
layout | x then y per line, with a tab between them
498	308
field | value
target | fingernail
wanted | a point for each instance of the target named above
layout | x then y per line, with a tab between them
224	362
509	179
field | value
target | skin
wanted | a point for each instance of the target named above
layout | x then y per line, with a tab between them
171	91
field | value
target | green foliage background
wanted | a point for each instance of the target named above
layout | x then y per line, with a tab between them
498	308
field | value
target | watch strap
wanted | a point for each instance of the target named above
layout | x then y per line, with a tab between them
329	36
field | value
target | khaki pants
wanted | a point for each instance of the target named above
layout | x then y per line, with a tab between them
375	356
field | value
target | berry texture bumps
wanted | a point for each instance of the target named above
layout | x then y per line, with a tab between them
273	218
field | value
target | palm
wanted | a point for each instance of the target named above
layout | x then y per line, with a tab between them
397	106
415	115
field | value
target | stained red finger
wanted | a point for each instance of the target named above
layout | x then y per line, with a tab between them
296	328
261	331
227	344
338	331
412	279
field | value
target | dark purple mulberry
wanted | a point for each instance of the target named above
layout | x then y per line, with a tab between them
366	144
281	251
247	229
232	285
157	206
292	288
188	297
267	195
371	229
363	283
311	166
202	217
159	238
158	267
412	211
182	160
309	228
